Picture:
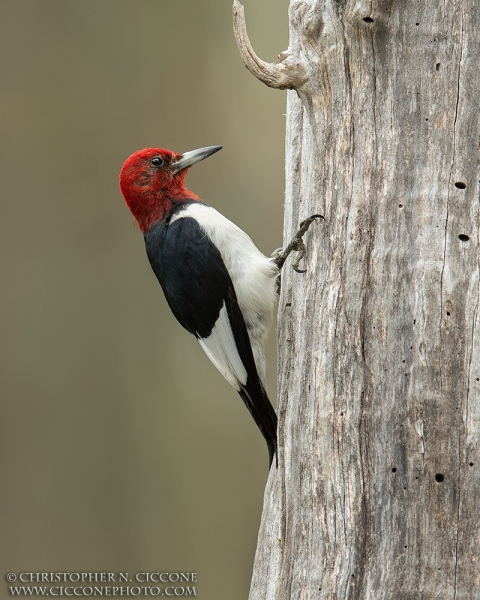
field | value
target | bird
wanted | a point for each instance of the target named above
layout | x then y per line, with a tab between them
217	283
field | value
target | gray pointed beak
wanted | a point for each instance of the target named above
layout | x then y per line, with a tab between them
190	158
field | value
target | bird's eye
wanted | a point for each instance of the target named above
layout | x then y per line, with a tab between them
157	161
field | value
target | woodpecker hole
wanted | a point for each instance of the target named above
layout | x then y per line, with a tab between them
471	464
368	19
400	206
437	67
426	119
463	237
460	185
394	470
439	478
288	304
448	314
417	24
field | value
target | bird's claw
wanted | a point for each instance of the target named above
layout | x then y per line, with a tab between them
301	251
296	245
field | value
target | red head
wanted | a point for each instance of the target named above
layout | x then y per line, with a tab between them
151	181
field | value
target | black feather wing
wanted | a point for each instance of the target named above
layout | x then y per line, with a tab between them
191	272
197	286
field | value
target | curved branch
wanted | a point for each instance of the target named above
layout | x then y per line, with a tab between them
289	74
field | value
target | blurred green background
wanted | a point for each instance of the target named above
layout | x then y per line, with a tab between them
122	447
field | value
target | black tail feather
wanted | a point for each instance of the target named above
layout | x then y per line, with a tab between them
252	392
259	406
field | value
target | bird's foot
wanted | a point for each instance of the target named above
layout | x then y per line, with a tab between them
296	245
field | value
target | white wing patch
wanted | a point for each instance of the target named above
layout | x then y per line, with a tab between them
221	349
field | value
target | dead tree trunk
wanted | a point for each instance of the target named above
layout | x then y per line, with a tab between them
377	492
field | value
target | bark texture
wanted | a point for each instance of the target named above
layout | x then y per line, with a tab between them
377	492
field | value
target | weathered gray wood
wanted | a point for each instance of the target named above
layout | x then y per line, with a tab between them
377	493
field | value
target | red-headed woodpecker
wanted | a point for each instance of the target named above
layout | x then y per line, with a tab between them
219	286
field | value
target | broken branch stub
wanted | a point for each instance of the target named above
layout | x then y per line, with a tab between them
289	74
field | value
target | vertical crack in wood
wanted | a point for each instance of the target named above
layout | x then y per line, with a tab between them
360	542
459	428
